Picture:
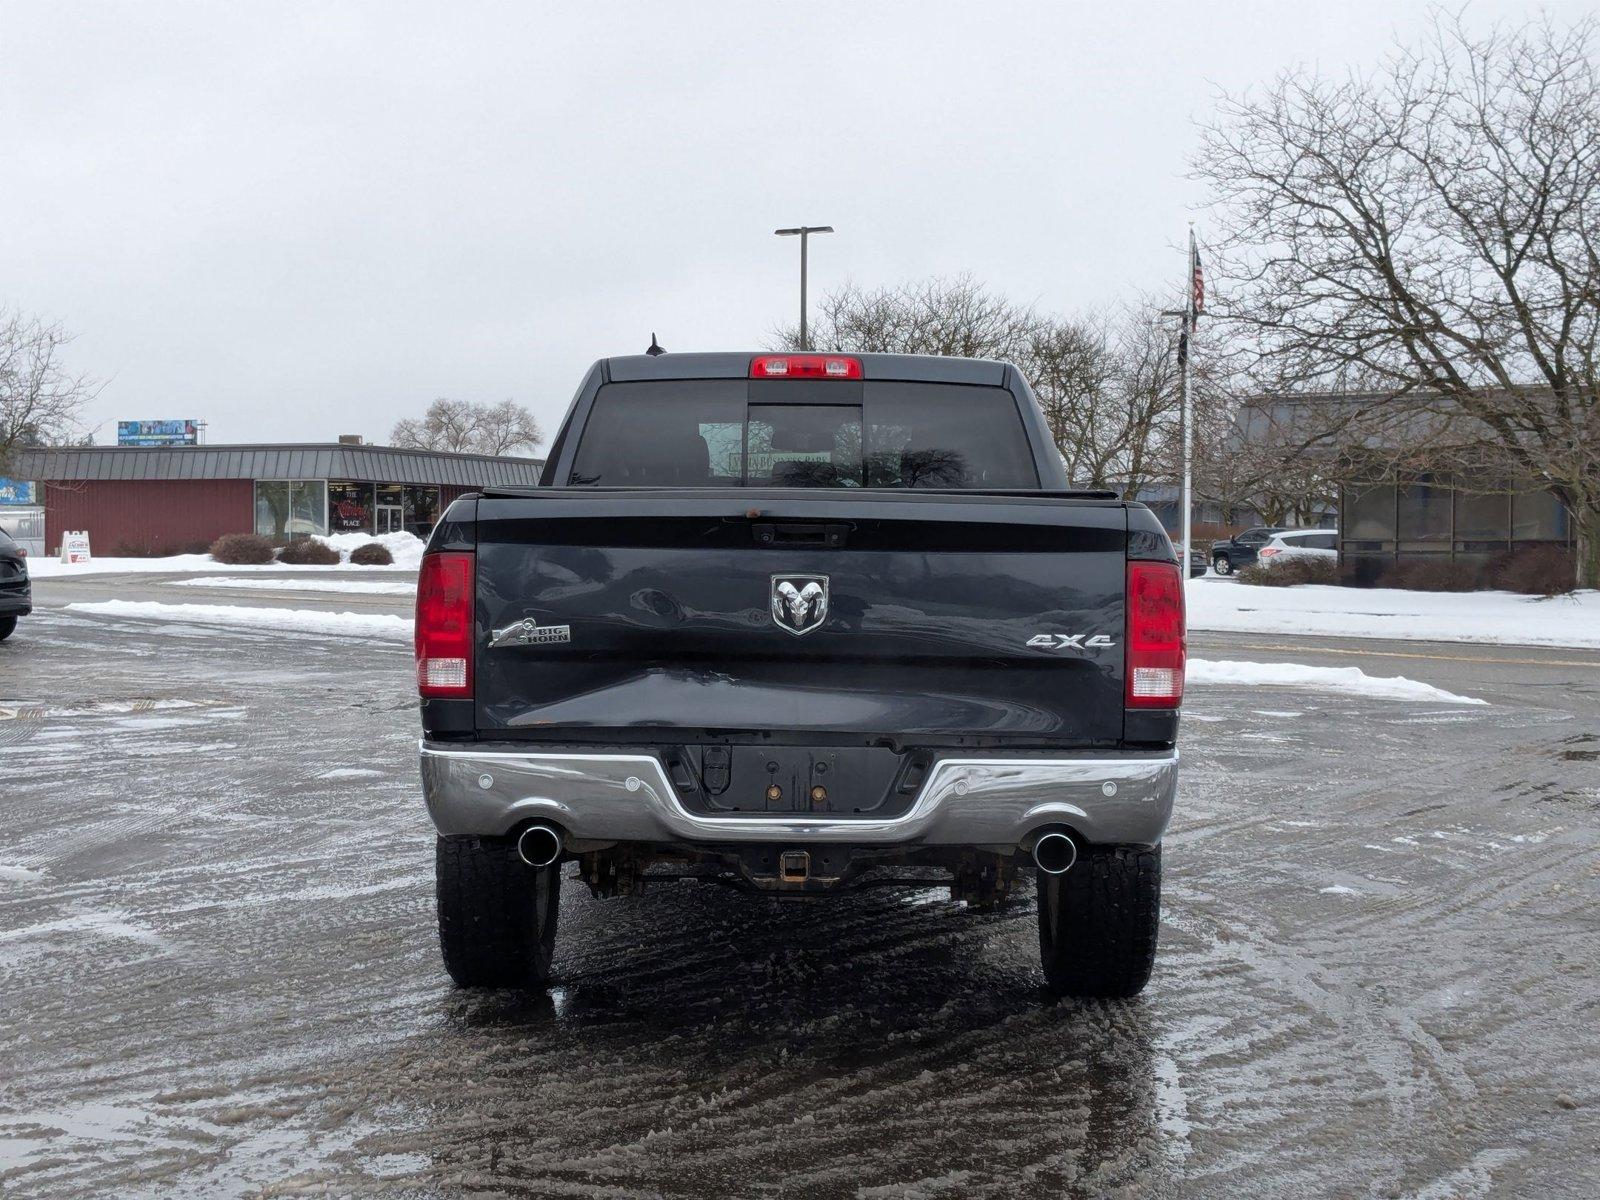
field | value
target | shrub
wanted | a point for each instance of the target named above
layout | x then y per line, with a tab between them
1434	575
240	549
1291	571
308	552
1362	571
373	554
1538	571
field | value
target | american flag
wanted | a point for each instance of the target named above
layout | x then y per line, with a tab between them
1197	295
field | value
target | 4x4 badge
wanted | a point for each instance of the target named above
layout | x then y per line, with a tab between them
799	603
1070	641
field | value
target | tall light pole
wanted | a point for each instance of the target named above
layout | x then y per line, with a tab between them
805	231
1190	317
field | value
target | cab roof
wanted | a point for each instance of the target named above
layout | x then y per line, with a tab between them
733	364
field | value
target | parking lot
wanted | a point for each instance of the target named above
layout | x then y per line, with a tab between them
1378	968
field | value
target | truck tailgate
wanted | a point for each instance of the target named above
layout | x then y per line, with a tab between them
921	618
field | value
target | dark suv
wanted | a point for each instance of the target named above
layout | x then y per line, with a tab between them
1239	552
16	593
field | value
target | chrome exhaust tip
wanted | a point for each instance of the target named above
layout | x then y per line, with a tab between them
1054	853
539	845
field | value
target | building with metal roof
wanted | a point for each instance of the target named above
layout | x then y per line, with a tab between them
168	499
1416	477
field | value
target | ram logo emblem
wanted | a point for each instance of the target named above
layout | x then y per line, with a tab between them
799	602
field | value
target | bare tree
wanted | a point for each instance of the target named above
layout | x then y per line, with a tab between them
1429	231
464	427
1107	384
41	402
952	316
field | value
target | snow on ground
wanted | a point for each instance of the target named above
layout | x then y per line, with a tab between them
1323	679
405	547
298	620
1503	617
361	586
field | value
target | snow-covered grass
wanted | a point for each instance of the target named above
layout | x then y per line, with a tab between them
297	620
406	548
1352	680
1503	617
366	587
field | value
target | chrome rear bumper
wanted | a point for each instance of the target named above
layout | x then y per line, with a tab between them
626	797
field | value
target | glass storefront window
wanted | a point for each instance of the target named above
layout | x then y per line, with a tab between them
421	511
1482	518
272	507
308	507
1369	512
288	508
349	507
1538	517
1424	511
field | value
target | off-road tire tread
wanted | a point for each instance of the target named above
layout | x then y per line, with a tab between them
488	916
1108	921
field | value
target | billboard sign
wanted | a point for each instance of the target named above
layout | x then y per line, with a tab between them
18	491
158	433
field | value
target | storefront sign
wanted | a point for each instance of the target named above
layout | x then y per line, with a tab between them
75	546
158	433
349	507
18	491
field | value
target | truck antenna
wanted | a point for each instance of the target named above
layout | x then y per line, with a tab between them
655	347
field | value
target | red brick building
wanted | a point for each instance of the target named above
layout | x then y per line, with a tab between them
170	499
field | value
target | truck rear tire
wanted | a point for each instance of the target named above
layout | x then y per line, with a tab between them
1098	922
497	915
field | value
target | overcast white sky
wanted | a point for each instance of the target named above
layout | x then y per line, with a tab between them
299	221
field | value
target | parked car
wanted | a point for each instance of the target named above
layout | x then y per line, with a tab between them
1240	551
721	642
1300	543
1197	561
16	590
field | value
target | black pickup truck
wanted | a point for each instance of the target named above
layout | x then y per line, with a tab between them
801	623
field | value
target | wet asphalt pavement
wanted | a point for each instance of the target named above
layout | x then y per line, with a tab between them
218	974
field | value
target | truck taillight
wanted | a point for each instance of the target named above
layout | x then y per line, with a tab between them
1155	635
444	625
805	366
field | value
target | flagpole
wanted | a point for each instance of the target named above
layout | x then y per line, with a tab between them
1187	496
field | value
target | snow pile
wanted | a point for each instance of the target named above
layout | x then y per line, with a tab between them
405	547
1503	617
50	568
1351	680
365	587
298	620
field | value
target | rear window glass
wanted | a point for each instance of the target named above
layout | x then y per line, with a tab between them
712	434
1314	541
